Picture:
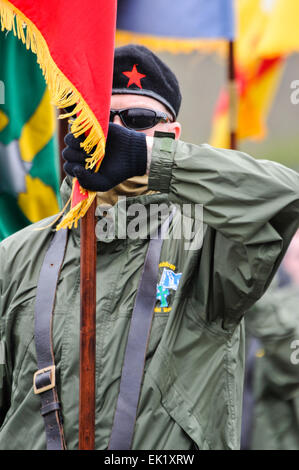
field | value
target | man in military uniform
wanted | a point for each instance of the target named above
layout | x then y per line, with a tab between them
191	391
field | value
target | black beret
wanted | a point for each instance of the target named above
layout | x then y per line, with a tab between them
138	71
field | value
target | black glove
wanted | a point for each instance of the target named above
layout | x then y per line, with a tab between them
125	156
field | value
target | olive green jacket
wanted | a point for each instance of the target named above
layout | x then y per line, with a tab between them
192	390
274	320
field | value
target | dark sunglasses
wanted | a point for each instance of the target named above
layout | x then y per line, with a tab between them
139	119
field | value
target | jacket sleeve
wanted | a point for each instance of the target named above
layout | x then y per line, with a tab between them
4	381
251	208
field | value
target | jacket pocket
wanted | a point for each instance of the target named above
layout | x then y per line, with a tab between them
180	411
177	408
164	421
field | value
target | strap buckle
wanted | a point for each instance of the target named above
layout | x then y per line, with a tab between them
44	379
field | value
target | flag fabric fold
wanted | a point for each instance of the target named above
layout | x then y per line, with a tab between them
175	26
74	45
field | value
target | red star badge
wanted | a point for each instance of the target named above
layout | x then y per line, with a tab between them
134	77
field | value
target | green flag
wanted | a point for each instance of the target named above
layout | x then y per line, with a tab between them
29	165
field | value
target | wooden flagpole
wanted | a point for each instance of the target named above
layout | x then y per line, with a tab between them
87	331
233	96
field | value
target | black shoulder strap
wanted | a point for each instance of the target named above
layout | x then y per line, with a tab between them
134	360
44	378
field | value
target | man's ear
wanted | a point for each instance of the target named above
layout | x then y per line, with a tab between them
176	128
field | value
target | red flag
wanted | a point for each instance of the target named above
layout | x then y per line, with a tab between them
74	43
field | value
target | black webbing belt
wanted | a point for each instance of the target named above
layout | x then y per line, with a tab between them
44	378
134	360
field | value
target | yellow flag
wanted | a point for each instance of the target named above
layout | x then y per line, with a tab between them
257	77
282	33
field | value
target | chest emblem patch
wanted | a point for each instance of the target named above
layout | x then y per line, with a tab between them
169	282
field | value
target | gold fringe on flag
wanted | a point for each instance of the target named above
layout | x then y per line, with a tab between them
63	94
173	45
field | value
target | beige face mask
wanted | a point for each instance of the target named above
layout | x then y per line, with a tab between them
135	186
